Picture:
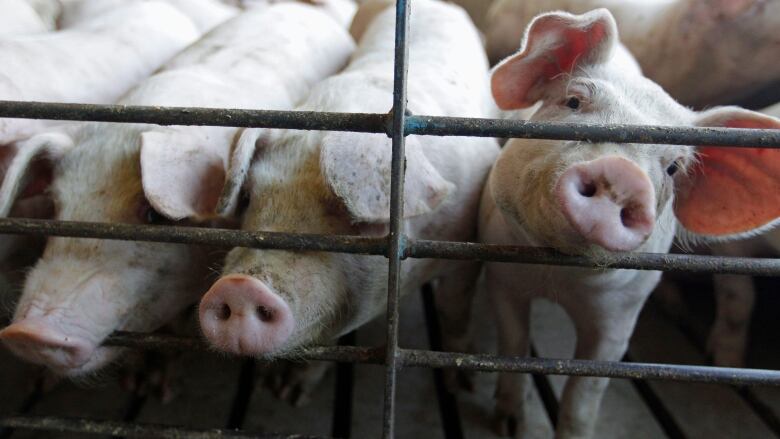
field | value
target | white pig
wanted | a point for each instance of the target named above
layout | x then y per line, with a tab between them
702	52
83	289
20	17
204	13
94	63
591	198
270	302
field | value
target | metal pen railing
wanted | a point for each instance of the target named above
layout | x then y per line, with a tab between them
396	246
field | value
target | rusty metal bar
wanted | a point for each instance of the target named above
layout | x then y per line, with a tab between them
611	369
380	123
396	237
164	342
413	248
87	426
481	362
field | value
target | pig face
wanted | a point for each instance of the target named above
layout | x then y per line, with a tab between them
272	301
587	198
81	290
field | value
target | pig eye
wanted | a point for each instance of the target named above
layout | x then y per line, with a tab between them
148	215
573	103
673	168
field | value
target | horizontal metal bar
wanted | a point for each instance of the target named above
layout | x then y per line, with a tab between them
414	248
482	362
195	235
162	342
379	123
673	262
113	428
611	369
300	120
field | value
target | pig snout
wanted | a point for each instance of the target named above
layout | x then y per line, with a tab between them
241	315
40	341
610	201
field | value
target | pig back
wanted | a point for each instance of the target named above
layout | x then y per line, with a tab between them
96	63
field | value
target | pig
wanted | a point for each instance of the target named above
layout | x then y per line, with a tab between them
341	10
206	14
593	198
735	295
94	63
702	52
18	17
273	302
81	290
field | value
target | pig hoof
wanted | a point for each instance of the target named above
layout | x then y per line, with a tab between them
505	425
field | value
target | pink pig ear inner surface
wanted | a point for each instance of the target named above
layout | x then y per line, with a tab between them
27	167
357	168
730	192
181	176
555	43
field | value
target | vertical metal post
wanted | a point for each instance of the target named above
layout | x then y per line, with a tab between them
396	236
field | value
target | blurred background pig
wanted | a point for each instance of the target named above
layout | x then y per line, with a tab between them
702	52
270	302
591	198
95	62
81	290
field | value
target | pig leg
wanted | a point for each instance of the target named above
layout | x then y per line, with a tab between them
513	313
728	338
598	338
453	295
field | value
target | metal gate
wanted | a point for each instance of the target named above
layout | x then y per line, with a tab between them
397	124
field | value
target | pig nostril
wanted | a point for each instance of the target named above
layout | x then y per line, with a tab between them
224	312
628	217
265	314
587	189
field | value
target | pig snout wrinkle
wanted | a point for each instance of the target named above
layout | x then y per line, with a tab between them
38	341
610	201
241	315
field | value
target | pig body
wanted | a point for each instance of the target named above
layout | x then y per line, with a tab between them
589	198
18	17
81	290
95	63
268	301
701	52
206	14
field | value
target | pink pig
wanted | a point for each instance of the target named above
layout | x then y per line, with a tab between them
591	198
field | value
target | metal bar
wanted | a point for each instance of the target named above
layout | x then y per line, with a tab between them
195	235
413	248
300	120
162	342
87	426
379	123
481	362
396	238
611	369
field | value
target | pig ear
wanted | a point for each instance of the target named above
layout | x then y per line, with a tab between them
555	43
357	168
731	192
28	167
249	142
182	175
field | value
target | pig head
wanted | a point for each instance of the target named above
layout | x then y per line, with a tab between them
612	195
81	290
